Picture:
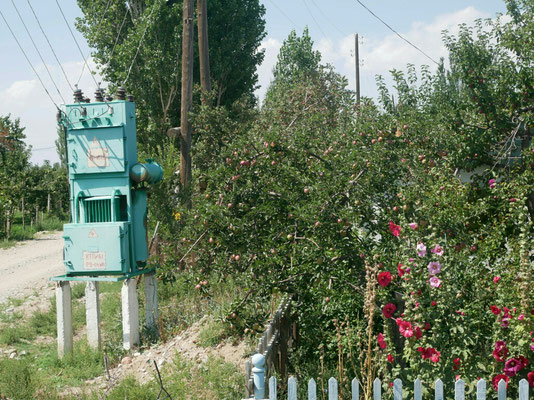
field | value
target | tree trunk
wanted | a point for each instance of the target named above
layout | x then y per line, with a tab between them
187	95
48	204
203	48
23	220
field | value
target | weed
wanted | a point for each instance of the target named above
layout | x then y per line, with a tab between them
212	333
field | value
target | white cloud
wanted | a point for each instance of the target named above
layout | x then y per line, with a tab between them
265	70
26	99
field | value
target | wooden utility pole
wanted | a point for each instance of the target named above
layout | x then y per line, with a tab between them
357	62
187	93
203	48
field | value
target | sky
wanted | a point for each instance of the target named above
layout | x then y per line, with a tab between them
331	23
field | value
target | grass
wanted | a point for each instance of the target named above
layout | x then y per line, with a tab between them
18	233
44	376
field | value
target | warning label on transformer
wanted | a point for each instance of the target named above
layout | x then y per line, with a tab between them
94	261
97	155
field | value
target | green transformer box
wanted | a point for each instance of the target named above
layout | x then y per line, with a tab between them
108	230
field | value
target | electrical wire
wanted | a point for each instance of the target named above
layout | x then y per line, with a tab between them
50	45
38	52
140	42
44	148
328	19
29	62
77	44
118	34
98	31
285	15
316	22
397	33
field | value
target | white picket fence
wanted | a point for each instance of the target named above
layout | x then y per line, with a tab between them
332	391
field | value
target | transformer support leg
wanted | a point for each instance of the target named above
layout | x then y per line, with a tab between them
92	313
151	301
130	314
64	318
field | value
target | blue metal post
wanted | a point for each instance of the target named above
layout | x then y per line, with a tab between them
258	360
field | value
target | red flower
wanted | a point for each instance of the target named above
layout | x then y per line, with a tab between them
434	302
426	326
429	353
405	328
435	356
394	229
501	354
418	332
495	310
390	358
388	310
456	363
496	279
401	271
497	378
530	378
384	278
381	341
523	361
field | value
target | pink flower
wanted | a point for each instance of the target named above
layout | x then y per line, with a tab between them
381	341
497	378
413	226
394	229
456	363
530	378
384	278
437	250
390	358
500	344
491	183
435	282
434	267
421	249
388	310
521	317
495	310
435	357
512	367
532	347
434	302
405	329
500	355
496	279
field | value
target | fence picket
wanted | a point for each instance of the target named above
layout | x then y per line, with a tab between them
459	390
481	389
523	389
312	390
417	389
377	389
355	389
502	390
397	389
332	389
438	388
272	388
292	389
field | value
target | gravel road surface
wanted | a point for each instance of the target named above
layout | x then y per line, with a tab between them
27	267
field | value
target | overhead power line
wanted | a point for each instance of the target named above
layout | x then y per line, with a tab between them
316	22
328	19
397	33
285	15
27	59
50	45
38	52
119	33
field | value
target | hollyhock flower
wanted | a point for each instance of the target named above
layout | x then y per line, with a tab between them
388	310
434	267
435	357
429	353
495	310
421	249
497	378
530	378
512	367
400	271
381	341
394	229
405	329
521	317
532	347
437	250
413	226
505	321
435	282
500	355
491	183
418	333
390	358
426	326
456	363
500	344
496	279
434	302
523	360
384	278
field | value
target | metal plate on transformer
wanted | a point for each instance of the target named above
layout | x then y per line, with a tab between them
100	248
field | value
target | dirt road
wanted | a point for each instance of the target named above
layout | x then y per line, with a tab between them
27	267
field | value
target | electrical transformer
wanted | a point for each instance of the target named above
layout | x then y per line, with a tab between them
108	230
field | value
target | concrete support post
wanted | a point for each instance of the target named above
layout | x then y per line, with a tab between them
64	318
151	301
92	313
130	314
258	360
